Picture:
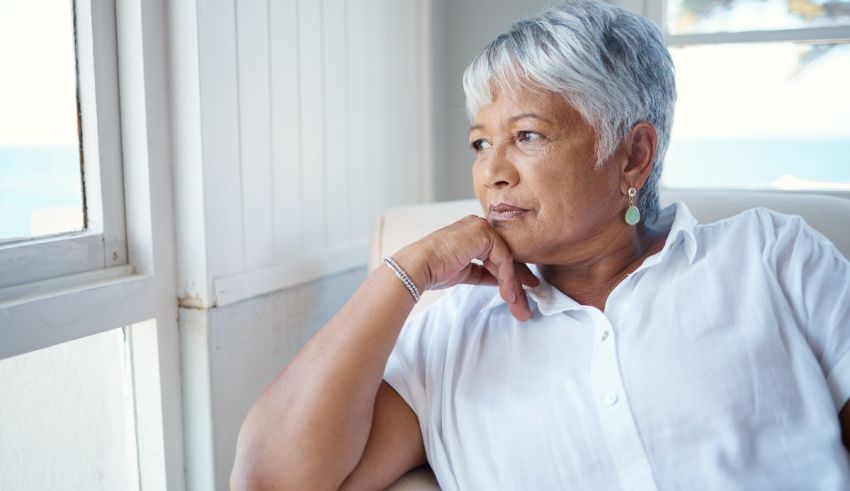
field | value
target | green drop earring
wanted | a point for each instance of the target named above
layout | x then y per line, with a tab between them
632	213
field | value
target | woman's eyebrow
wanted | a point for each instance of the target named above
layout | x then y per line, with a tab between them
514	119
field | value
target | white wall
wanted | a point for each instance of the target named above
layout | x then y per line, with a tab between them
295	123
461	29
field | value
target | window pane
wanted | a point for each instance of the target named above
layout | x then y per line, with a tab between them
771	115
67	417
40	179
692	16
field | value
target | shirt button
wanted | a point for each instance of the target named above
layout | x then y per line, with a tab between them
605	335
611	398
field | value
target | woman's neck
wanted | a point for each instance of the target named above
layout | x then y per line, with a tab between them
591	280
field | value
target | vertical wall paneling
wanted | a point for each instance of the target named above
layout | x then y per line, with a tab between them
220	134
325	136
404	158
387	97
377	50
410	94
286	130
337	197
252	29
310	34
424	100
359	117
392	142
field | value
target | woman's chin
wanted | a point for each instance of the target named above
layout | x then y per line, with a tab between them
521	246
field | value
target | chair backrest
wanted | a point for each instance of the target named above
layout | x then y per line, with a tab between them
830	215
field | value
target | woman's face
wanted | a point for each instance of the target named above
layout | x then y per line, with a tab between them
536	178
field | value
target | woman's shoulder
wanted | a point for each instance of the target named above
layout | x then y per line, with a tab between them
764	229
761	222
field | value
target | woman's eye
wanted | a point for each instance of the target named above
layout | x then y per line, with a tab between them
480	144
528	136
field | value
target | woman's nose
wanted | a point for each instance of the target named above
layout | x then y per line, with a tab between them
499	171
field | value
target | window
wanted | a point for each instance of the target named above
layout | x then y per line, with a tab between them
71	417
61	190
68	286
763	93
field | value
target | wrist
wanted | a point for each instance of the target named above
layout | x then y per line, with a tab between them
414	263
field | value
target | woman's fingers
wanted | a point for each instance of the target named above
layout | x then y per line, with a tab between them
526	277
500	262
506	282
476	274
520	310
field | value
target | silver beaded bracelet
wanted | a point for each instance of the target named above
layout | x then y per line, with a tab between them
411	286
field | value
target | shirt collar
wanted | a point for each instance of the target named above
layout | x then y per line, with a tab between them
682	224
549	299
552	301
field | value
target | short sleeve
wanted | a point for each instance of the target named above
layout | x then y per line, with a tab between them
406	367
816	278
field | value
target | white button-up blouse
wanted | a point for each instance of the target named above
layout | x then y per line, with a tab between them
720	363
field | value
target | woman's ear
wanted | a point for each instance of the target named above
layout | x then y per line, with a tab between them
641	145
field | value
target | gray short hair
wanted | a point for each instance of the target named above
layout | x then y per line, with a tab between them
610	64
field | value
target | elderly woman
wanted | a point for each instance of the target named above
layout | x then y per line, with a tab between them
639	350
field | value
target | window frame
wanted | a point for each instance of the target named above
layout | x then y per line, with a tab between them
63	287
655	10
103	243
129	91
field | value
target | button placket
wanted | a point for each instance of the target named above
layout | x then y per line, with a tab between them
614	411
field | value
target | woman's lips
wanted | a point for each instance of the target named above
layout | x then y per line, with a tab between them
504	212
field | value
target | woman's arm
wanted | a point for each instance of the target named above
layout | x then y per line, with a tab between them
395	444
309	428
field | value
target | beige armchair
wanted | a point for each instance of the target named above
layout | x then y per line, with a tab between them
400	226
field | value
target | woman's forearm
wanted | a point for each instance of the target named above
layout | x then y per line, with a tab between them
310	426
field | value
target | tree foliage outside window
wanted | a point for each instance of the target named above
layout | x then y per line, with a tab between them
689	16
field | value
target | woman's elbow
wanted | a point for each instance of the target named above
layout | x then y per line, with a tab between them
260	468
277	460
240	480
251	477
248	475
251	468
255	479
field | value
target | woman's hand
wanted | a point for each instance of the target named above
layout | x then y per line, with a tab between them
444	259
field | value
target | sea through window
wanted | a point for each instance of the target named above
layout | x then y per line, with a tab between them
764	90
